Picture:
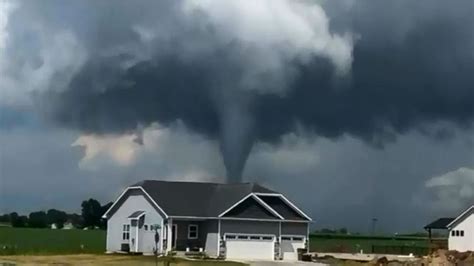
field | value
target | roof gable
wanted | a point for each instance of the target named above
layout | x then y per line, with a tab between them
281	207
461	217
132	191
250	208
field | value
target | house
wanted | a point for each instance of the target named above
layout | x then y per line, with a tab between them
461	231
5	224
233	221
68	225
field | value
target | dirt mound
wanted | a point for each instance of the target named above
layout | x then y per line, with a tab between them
447	258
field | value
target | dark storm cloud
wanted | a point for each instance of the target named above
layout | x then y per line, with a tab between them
413	65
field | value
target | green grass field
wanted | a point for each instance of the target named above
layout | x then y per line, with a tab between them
354	243
47	241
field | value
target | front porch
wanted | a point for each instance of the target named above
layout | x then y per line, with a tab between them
190	237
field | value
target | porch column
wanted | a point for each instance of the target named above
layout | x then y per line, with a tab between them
169	235
162	235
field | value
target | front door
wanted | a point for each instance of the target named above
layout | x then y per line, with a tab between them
174	235
133	236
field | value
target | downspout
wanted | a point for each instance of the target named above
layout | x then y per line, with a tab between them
280	256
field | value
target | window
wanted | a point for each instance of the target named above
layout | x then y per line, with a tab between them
230	237
126	232
242	237
267	238
285	238
452	233
457	232
255	237
462	232
192	231
146	227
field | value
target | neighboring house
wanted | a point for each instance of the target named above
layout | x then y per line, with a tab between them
68	225
233	221
461	231
4	224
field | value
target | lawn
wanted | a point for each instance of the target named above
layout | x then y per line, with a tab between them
48	241
28	241
90	259
28	246
379	244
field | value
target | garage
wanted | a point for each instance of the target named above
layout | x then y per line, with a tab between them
253	247
290	246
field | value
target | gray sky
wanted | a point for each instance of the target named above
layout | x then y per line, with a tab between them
353	109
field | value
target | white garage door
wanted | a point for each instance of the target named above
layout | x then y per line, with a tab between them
250	247
290	246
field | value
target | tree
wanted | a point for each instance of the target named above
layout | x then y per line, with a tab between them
5	218
91	213
38	219
56	217
343	231
17	220
103	222
327	231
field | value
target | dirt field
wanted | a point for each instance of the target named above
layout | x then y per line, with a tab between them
90	259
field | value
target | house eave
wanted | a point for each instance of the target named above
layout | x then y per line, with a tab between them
106	216
459	218
236	218
287	201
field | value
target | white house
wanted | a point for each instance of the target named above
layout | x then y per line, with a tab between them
233	221
461	231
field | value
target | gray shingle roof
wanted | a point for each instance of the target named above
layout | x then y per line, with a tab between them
198	199
441	223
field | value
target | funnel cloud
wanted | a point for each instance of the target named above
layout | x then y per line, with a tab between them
242	72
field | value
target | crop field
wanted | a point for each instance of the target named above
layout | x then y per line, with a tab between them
369	244
47	241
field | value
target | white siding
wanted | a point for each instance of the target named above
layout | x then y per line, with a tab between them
250	249
115	224
466	242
